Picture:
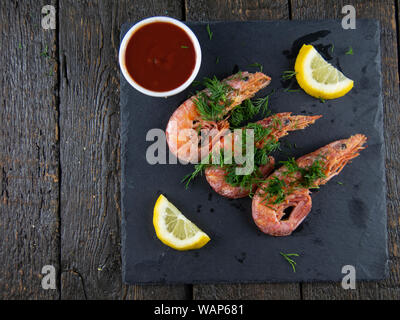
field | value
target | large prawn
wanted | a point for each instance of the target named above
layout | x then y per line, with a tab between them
280	124
269	215
182	130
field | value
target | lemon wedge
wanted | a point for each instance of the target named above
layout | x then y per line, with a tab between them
174	229
319	78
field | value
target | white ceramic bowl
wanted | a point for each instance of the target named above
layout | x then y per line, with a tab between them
133	83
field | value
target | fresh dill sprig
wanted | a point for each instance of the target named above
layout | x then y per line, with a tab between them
216	60
248	109
242	112
322	100
290	260
308	175
196	83
332	47
218	89
276	122
262	104
260	159
198	169
243	181
291	90
212	105
184	47
45	52
260	132
208	110
257	65
287	75
210	34
275	190
350	51
264	146
311	174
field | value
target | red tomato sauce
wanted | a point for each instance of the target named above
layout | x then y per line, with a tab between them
160	56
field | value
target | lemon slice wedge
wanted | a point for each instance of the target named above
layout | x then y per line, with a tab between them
174	229
319	78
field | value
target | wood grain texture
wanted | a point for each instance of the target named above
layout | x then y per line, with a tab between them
76	121
207	10
211	10
29	189
384	11
90	148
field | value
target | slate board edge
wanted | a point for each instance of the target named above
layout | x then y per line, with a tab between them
381	107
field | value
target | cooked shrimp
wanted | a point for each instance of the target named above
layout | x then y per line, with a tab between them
286	187
182	131
279	124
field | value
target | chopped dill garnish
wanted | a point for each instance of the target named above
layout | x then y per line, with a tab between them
296	178
267	145
322	100
208	109
262	104
246	181
287	75
260	132
184	47
198	169
290	260
196	83
332	47
212	105
339	183
350	51
217	60
218	89
210	34
276	122
308	175
248	109
275	190
291	90
256	65
19	46
312	174
45	52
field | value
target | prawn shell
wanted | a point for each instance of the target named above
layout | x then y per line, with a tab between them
269	218
182	129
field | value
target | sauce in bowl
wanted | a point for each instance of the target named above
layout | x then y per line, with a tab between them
160	56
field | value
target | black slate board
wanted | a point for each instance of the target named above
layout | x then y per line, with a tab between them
347	225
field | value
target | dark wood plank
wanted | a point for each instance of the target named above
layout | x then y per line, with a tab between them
29	144
383	10
241	10
208	10
90	148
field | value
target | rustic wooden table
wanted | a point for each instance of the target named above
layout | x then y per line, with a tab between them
60	148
